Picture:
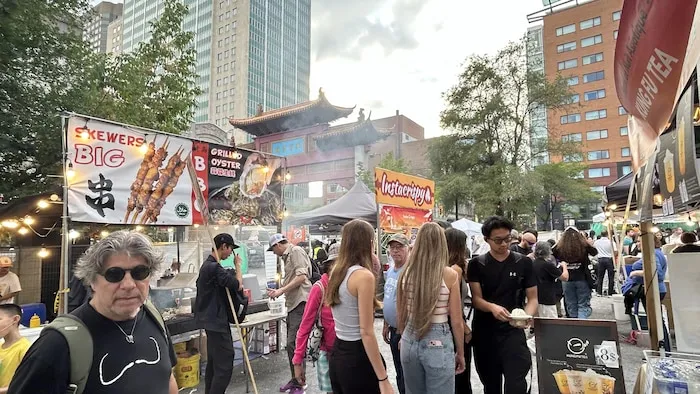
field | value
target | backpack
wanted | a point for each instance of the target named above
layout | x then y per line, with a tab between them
80	345
314	268
313	345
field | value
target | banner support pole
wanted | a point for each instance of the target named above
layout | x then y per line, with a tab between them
64	270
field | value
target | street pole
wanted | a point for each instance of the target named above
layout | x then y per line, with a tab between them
65	240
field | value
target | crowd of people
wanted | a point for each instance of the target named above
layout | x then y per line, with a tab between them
443	308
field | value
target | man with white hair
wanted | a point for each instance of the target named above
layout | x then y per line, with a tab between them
131	349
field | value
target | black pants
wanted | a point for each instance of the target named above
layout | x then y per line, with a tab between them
502	355
350	369
294	318
394	339
463	381
220	356
605	264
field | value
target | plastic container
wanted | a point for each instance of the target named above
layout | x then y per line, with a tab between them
187	371
619	307
673	373
35	321
277	307
29	310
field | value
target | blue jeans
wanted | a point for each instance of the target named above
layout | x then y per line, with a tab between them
394	339
577	295
428	362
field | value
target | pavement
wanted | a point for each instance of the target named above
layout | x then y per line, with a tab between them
274	371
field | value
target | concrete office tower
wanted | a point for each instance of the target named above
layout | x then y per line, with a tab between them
96	30
114	36
249	53
578	41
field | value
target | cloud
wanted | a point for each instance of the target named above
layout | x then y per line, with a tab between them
344	29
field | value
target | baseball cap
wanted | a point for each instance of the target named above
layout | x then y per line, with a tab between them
224	238
333	252
5	261
275	239
400	238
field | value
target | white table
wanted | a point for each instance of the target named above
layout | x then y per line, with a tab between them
252	322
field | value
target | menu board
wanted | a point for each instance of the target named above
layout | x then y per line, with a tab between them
578	357
679	181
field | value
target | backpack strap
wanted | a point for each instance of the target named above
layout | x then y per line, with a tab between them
320	306
80	348
155	315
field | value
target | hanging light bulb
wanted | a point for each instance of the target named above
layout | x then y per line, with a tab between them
266	169
612	207
104	234
11	224
72	234
143	148
54	197
28	220
70	173
23	231
288	176
196	225
43	253
139	228
85	134
285	213
42	204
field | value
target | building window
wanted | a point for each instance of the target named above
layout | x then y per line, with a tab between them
617	15
615	35
574	99
624	130
598	155
626	170
566	47
595	58
596	135
568	29
589	41
572	81
588	23
598	172
597	189
598	114
594	95
621	110
626	152
573	137
567	64
572	118
573	158
594	76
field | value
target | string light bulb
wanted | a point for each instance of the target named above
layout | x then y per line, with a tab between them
612	207
70	173
43	253
23	231
171	230
11	224
139	228
266	169
288	176
28	220
104	234
196	225
143	148
285	213
72	234
54	197
42	204
608	214
85	134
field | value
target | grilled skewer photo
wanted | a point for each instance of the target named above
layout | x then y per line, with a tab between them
157	192
147	184
140	175
152	214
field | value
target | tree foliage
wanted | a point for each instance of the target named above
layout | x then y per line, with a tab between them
388	162
487	158
47	68
561	183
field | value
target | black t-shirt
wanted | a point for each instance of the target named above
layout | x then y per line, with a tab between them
687	248
502	283
547	275
577	264
117	366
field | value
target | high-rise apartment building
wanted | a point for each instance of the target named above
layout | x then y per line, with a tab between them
578	40
114	36
250	53
96	30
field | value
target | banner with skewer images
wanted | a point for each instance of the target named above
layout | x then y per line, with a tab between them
127	176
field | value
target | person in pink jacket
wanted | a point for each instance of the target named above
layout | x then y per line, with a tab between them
314	302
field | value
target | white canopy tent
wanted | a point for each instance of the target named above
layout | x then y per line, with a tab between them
469	227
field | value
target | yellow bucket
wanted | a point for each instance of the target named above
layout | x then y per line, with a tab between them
180	347
187	371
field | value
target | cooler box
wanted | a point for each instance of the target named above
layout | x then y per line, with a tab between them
28	310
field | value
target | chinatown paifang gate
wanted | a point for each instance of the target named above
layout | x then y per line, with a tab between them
314	150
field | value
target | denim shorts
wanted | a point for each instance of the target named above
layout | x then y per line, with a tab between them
428	362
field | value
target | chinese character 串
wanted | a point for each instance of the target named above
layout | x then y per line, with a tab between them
98	203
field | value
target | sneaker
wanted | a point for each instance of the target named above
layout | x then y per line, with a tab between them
292	384
297	390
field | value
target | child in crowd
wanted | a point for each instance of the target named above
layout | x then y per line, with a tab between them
14	346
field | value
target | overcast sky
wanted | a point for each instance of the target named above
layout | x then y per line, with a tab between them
384	55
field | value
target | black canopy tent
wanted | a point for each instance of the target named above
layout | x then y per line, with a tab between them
358	203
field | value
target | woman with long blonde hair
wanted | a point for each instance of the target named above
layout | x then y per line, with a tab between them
356	366
429	292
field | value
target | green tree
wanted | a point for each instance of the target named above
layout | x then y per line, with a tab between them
388	162
46	68
488	156
560	184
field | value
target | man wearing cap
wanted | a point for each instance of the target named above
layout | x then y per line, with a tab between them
398	250
213	313
9	282
296	287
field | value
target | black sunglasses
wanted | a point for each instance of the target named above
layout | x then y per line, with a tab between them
116	274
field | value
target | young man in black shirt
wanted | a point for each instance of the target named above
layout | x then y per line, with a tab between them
500	281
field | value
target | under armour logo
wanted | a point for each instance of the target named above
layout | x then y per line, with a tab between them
513	274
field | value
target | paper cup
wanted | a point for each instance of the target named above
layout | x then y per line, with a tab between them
575	380
607	384
562	383
591	383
